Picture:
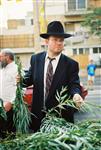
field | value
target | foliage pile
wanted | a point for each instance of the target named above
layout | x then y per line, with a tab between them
57	134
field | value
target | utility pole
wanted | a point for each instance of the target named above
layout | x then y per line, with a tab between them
37	41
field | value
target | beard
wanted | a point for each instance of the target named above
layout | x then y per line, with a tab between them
3	64
0	65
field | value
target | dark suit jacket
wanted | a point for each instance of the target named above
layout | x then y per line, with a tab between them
66	74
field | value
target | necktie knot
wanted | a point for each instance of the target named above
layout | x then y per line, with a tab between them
51	59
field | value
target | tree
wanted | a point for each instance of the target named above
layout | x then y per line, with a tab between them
93	20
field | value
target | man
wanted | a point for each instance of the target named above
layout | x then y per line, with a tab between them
64	70
91	74
8	75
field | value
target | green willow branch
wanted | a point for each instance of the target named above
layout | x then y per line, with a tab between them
22	116
2	110
63	100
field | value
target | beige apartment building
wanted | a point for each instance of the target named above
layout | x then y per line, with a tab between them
82	46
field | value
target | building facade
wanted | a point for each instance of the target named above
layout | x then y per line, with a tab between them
20	38
82	46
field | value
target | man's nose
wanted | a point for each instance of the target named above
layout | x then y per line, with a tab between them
59	42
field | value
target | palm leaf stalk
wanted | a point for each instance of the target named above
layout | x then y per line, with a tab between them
22	115
2	110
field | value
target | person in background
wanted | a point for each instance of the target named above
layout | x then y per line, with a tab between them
8	73
49	72
91	74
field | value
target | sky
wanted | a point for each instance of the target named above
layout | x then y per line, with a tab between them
11	9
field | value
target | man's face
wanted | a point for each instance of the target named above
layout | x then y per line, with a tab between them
4	61
91	61
55	44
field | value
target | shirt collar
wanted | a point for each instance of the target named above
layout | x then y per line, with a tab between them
10	64
56	57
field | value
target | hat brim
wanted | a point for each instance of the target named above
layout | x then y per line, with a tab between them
46	35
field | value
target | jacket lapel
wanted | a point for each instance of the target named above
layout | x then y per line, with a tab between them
41	73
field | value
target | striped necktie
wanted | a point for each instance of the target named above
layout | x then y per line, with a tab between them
49	77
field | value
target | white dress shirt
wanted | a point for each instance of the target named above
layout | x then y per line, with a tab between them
54	63
8	82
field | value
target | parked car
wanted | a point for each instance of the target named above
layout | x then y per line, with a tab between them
28	96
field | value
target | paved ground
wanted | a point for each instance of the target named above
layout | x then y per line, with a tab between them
94	97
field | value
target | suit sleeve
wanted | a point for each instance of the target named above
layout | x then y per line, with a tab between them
28	80
74	84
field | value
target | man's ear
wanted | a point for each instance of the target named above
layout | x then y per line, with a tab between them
7	58
46	41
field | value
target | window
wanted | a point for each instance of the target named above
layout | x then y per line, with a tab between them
81	4
71	4
31	21
76	4
99	49
70	27
74	51
95	50
80	50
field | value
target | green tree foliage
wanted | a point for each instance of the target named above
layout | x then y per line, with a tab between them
93	20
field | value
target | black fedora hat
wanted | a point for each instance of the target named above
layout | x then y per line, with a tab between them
55	28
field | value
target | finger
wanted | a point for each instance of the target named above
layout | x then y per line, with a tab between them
79	104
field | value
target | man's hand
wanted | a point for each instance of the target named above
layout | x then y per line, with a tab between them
7	106
18	79
78	100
